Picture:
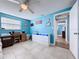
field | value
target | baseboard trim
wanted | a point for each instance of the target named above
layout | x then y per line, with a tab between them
72	54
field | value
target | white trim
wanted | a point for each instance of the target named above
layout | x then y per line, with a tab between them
66	32
59	35
61	23
61	13
52	45
55	22
55	30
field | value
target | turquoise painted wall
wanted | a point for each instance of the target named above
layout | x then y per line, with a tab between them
46	30
60	29
43	29
25	24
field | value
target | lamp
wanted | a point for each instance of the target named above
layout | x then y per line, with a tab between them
24	7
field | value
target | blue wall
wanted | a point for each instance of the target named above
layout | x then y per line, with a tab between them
42	28
60	29
25	24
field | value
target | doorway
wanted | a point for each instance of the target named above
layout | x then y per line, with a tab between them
61	30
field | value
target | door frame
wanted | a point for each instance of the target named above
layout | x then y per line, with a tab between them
55	27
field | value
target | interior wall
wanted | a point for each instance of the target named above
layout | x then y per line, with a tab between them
60	29
43	28
25	24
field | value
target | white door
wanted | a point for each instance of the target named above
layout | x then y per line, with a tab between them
74	30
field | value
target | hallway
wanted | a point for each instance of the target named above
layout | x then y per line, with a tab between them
60	42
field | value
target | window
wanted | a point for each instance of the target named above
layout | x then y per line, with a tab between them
7	23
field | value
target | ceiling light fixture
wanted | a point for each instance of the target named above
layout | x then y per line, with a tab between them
24	7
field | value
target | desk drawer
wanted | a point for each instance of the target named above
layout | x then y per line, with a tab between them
7	42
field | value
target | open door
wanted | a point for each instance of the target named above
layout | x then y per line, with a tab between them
61	30
74	30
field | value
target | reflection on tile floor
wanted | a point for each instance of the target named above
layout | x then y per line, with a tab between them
33	50
61	42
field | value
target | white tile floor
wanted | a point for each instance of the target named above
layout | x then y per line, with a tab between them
32	50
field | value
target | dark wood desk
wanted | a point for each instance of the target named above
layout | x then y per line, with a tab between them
10	40
7	41
13	38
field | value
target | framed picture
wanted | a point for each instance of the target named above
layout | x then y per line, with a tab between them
48	23
39	22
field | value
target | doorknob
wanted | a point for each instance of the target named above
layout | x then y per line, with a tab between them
76	33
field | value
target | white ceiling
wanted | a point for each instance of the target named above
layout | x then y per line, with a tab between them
40	7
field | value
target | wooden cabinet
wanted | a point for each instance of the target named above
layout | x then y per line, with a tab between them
17	38
23	37
20	36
